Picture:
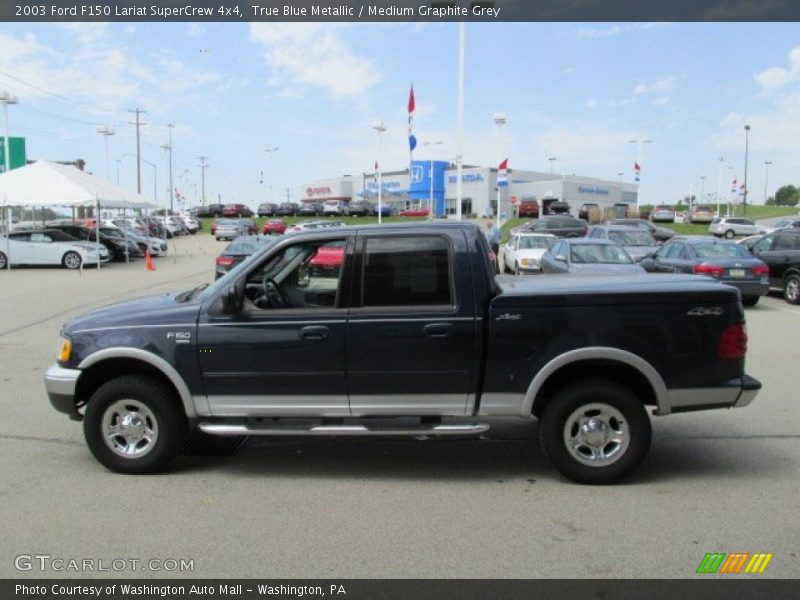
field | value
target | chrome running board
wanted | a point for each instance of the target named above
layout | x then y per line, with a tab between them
347	430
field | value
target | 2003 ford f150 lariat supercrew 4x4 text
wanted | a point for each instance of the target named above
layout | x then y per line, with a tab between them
409	334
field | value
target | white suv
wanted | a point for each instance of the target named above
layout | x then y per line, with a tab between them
333	207
732	226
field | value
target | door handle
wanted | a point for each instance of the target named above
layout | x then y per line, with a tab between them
314	332
438	329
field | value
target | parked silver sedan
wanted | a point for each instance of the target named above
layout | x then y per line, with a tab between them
587	256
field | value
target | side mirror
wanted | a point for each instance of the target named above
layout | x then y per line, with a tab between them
232	300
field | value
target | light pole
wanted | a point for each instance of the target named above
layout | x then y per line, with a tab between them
106	132
620	175
640	153
719	184
380	128
746	150
118	161
462	34
6	98
203	166
155	178
168	146
767	163
702	189
500	120
430	173
269	152
552	159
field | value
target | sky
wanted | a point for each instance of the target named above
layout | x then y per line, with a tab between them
576	92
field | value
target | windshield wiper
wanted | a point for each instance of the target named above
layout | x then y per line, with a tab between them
184	296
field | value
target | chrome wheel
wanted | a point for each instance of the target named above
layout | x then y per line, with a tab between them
596	434
130	428
72	260
791	289
3	259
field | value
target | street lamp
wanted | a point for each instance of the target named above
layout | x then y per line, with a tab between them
430	173
552	159
6	98
380	128
168	146
500	120
620	175
767	163
746	149
719	184
106	132
702	189
269	152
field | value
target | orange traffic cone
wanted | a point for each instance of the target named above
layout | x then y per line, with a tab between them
148	261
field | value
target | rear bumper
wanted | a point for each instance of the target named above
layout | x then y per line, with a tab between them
60	384
749	288
734	393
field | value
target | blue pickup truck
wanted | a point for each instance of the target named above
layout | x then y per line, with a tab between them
402	330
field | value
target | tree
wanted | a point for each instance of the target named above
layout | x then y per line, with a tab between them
787	195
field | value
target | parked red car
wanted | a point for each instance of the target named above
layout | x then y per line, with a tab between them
528	207
327	258
414	212
274	227
236	210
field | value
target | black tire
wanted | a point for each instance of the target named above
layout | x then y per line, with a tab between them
516	269
3	262
791	289
729	235
750	300
157	411
72	260
169	234
624	457
112	254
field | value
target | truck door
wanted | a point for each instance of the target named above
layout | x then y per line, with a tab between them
283	353
411	326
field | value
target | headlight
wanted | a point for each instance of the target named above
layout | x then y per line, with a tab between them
64	349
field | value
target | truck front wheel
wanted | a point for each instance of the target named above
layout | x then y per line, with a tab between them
133	426
595	432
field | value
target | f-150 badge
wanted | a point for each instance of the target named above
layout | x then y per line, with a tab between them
180	337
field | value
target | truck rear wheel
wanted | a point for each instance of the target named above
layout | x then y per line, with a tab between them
133	426
595	432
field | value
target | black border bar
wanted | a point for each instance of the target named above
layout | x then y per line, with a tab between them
398	10
703	587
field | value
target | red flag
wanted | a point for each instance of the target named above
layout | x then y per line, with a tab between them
636	166
503	165
376	166
411	104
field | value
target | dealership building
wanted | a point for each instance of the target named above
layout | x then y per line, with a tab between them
414	187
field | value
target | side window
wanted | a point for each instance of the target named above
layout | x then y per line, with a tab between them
303	275
784	242
407	271
20	237
40	237
763	244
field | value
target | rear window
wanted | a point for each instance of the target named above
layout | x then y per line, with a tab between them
529	242
599	253
407	271
631	238
720	251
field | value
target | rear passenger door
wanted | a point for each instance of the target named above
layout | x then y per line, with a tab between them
411	326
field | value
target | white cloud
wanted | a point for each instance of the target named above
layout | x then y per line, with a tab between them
661	86
776	77
614	30
313	54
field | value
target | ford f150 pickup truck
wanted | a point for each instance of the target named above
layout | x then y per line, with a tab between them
410	334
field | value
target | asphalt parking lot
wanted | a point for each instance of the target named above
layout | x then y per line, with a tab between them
716	481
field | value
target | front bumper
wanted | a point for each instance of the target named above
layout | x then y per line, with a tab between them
60	384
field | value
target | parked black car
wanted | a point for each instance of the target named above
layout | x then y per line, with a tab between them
215	210
110	237
267	209
781	252
557	208
723	260
310	209
660	234
560	226
583	211
287	209
360	208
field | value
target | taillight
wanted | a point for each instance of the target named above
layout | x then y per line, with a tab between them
761	270
225	261
711	270
733	343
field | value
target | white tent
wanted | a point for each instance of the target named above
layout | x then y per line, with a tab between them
45	183
50	184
